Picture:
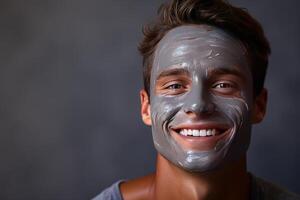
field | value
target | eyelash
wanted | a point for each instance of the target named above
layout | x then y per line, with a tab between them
175	86
225	85
172	86
221	87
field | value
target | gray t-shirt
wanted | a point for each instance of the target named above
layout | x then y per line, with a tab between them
260	190
111	193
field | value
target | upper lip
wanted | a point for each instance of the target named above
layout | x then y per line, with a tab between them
201	126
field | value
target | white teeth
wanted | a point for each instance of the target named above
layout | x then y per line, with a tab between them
214	132
198	133
183	132
209	132
202	133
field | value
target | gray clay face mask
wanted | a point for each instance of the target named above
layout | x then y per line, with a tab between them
201	97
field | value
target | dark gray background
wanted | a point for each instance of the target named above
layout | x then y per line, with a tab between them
70	75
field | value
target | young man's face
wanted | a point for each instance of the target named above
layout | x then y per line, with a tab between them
201	98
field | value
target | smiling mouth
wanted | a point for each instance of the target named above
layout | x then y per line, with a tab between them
200	137
193	132
199	133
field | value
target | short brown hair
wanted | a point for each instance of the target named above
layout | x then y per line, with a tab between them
236	21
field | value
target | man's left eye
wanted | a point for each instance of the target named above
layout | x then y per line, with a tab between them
225	88
223	85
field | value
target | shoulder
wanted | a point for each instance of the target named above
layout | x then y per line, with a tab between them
268	190
110	193
128	190
139	188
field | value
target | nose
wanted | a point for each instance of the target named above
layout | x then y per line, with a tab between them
198	102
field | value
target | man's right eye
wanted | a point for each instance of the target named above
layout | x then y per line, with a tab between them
175	86
172	86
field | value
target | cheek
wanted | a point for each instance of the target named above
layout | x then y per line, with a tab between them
235	109
163	110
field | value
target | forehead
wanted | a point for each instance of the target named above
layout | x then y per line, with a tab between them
198	45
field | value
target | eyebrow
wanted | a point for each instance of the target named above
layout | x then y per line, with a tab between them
173	72
212	72
223	71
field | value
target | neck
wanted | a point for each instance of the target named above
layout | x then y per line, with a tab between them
171	182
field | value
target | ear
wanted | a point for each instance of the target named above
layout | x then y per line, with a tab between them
145	107
260	107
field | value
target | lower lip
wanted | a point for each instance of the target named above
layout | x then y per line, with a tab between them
199	143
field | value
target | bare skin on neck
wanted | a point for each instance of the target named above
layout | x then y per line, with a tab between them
231	182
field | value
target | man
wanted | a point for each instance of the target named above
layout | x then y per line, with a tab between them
204	69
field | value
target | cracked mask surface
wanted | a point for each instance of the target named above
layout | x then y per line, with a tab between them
200	80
